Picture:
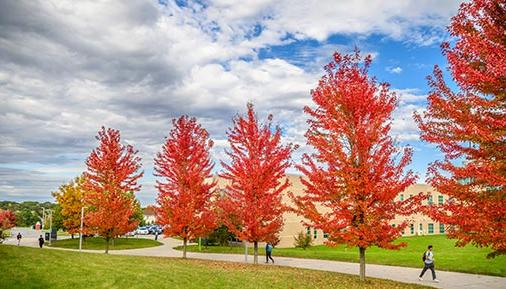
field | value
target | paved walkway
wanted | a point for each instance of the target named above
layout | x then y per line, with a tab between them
449	280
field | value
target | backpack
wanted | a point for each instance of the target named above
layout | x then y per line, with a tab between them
424	257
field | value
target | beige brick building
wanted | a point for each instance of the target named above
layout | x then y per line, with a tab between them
419	224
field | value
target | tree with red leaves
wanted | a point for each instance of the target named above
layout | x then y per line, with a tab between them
353	177
111	181
186	194
252	200
469	127
7	221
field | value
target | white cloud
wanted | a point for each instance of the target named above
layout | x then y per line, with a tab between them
73	66
395	70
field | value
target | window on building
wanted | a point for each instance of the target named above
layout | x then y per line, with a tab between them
430	200
308	231
412	229
420	227
393	225
401	197
431	228
315	233
441	228
440	199
325	235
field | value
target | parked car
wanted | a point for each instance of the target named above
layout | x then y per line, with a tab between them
142	231
155	229
131	233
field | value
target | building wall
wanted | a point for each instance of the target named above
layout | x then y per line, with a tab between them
293	223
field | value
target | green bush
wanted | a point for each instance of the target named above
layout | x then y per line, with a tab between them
303	241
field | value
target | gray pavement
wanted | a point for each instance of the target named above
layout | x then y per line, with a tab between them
448	280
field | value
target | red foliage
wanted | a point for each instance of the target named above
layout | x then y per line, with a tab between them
111	179
252	199
7	219
352	178
185	195
469	126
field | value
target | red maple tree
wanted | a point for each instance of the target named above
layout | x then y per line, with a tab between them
111	181
7	221
469	127
256	180
353	177
185	195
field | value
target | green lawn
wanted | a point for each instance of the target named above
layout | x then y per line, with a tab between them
24	267
448	257
99	243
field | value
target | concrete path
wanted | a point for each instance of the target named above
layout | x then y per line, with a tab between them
448	280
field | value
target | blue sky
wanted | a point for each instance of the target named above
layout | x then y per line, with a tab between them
133	65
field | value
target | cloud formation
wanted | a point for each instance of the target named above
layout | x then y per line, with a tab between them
69	67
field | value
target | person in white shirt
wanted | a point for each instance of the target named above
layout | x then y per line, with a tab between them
428	262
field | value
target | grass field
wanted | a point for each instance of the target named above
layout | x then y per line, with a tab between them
33	268
447	257
99	243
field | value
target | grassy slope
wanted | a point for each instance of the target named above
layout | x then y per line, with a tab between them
41	268
468	259
99	243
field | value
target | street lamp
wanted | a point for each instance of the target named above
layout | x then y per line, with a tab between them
81	230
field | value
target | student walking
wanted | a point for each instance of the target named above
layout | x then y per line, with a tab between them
428	263
41	241
268	253
19	238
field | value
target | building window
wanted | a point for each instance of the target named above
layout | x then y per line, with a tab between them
440	199
431	228
441	228
401	197
393	225
315	233
325	235
308	231
402	232
430	199
420	227
412	229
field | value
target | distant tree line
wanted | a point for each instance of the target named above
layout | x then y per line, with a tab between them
28	213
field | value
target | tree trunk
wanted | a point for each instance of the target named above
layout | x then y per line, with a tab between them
255	256
362	263
107	245
184	248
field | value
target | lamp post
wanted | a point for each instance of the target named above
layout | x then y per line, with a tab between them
245	251
81	230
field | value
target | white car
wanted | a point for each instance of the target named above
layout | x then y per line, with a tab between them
131	233
142	231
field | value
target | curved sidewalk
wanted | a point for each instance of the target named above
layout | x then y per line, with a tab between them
449	280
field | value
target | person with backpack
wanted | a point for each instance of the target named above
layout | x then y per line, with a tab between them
268	253
19	238
428	263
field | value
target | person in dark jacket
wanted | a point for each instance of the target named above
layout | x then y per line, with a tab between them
41	241
19	238
268	253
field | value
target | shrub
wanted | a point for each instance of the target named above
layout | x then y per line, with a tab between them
303	240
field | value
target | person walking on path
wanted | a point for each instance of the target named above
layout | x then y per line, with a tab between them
428	263
268	253
18	237
41	241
